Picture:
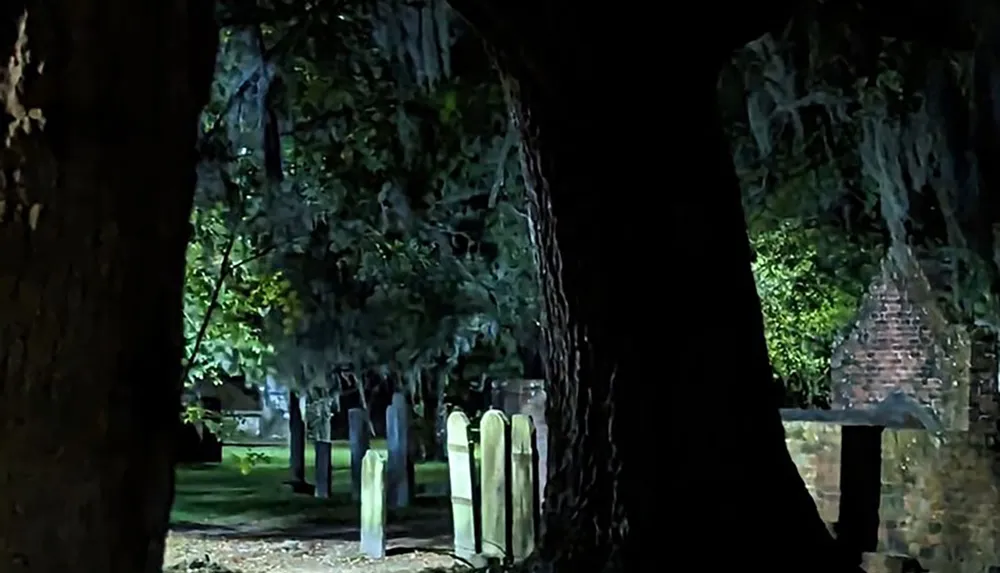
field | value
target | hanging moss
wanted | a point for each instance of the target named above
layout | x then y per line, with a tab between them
418	36
827	113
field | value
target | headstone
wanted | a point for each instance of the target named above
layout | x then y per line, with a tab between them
464	498
397	443
275	410
528	397
324	468
359	437
319	417
523	486
373	504
296	439
494	438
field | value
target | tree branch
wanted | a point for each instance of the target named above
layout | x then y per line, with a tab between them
266	57
258	254
359	387
213	303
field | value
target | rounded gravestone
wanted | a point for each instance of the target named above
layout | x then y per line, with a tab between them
528	397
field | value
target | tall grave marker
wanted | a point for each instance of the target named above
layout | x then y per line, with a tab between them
296	439
494	436
523	482
397	438
359	436
464	496
373	502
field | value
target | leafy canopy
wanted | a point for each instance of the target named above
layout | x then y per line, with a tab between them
380	213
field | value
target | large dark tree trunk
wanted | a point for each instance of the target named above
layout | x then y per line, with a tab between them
665	443
733	457
94	208
591	360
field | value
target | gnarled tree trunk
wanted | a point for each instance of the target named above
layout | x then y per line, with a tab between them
98	178
665	443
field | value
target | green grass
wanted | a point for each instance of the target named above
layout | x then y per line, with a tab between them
221	495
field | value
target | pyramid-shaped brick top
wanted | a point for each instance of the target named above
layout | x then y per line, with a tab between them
901	342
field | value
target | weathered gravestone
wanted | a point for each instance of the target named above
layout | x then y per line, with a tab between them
528	397
397	440
373	504
523	486
494	438
318	422
464	497
359	436
275	409
324	468
296	440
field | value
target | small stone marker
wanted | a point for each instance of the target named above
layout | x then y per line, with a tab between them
373	506
523	486
324	468
397	443
461	464
494	437
359	436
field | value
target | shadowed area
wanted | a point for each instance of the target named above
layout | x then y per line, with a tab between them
219	499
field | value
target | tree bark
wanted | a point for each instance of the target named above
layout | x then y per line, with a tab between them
664	445
95	205
588	347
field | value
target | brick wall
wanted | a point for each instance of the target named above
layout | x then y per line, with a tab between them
984	405
940	501
902	342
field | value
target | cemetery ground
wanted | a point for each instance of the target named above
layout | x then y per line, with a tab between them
226	520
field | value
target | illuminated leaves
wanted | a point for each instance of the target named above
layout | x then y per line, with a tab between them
237	324
804	305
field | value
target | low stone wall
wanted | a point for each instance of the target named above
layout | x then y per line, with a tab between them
940	500
815	449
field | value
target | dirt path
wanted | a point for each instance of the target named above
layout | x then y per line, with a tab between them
308	549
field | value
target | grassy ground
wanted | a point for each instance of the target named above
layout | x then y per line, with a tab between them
221	495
